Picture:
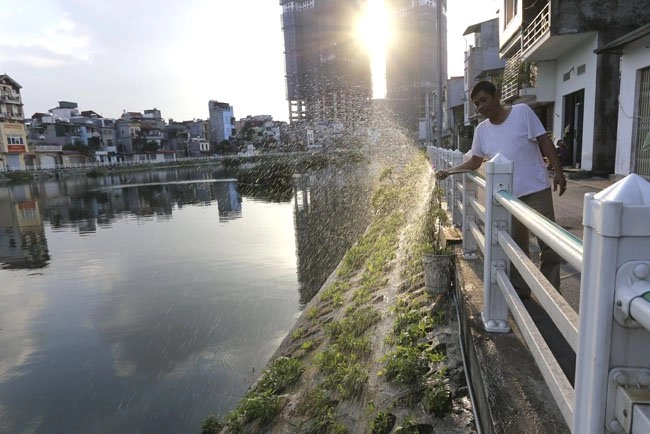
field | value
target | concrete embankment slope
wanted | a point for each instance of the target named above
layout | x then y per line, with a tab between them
373	351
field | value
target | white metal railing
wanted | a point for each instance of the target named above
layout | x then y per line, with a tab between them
537	28
611	336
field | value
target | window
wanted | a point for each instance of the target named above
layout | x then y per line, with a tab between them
14	140
581	69
511	10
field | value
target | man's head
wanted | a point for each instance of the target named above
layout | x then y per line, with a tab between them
485	86
486	99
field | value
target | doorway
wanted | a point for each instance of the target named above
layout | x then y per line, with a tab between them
642	145
574	105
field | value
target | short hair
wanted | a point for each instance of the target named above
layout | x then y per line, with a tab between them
485	86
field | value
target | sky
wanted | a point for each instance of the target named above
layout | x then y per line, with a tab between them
112	56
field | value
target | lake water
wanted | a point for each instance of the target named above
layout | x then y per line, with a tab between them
145	302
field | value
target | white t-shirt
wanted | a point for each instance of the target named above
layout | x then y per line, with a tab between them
515	139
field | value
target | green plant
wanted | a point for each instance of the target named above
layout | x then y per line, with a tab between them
282	373
383	423
405	365
312	312
407	427
434	224
318	405
211	425
261	406
297	333
437	398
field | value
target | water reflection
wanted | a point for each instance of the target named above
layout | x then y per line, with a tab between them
22	238
158	297
331	210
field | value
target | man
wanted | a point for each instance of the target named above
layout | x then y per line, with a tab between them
516	133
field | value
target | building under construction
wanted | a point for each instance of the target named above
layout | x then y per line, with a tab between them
327	68
416	64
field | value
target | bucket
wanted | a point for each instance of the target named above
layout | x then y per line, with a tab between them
438	273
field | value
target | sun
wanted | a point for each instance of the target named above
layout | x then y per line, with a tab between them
374	32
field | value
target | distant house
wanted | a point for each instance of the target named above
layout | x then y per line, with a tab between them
482	62
13	135
221	121
455	132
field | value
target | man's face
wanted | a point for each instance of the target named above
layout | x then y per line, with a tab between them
486	104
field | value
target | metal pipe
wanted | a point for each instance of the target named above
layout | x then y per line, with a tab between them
557	382
478	236
479	209
563	242
479	180
562	314
640	311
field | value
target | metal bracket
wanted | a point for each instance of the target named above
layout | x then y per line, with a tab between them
632	281
495	325
498	187
498	225
625	388
497	264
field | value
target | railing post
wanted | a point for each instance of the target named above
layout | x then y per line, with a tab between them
495	308
470	247
448	182
613	355
456	218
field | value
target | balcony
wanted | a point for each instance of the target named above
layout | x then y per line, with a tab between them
10	98
537	30
544	40
519	78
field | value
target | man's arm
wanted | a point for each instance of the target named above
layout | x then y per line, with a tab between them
548	150
472	164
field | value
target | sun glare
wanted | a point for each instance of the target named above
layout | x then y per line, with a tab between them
374	31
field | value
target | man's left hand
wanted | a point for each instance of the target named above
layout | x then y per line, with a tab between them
559	179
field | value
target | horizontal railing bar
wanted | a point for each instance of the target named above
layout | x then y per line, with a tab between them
479	209
478	179
559	385
640	311
563	242
478	236
461	209
562	314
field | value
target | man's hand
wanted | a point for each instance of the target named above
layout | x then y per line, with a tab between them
559	179
441	174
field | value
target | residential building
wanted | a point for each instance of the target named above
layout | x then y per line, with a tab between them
327	69
48	152
456	135
221	121
127	128
13	135
551	65
633	132
138	136
100	136
178	136
416	65
482	62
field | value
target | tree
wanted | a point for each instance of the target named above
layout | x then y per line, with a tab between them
226	147
247	131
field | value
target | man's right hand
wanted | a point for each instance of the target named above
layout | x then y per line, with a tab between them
442	174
